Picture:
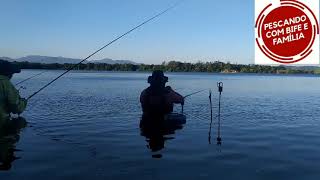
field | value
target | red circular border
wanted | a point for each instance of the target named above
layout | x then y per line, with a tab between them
304	53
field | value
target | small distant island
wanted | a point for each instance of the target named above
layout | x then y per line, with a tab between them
59	63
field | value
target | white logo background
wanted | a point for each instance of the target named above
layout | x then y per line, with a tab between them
261	58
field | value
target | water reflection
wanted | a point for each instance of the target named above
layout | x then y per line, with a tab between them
157	129
9	136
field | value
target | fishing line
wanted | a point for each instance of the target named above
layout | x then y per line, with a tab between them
31	77
182	105
111	42
194	93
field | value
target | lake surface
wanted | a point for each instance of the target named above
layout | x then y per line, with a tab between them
86	125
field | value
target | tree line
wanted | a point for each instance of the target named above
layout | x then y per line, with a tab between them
172	66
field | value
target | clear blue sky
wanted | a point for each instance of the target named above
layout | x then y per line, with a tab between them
195	30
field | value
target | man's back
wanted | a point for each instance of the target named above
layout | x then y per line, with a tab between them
159	102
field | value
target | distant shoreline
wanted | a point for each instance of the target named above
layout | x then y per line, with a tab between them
173	72
175	66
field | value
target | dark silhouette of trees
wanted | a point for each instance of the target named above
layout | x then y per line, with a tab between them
172	66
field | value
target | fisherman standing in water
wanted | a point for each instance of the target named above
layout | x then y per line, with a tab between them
158	99
10	100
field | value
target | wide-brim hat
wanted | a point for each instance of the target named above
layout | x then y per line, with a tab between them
7	68
157	76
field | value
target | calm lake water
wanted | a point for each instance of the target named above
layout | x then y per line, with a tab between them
86	125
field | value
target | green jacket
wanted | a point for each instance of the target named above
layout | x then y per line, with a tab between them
10	100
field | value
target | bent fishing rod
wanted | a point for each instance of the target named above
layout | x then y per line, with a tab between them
193	93
31	77
184	97
111	42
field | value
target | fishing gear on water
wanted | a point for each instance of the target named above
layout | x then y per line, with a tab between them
219	139
111	42
210	100
220	89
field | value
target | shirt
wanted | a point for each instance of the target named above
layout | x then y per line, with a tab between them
159	103
10	100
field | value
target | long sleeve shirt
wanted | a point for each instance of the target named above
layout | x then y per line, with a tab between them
159	103
10	100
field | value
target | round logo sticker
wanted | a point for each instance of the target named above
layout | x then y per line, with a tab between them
286	33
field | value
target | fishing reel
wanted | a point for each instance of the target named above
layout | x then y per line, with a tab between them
22	87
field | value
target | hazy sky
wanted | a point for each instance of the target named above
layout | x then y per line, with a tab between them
195	30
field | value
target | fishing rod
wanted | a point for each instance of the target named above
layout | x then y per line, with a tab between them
182	105
220	88
111	42
193	93
31	77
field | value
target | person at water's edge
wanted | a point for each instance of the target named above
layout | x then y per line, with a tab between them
10	100
158	99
